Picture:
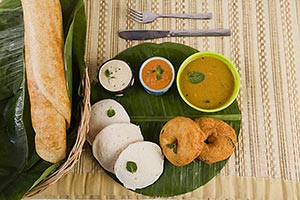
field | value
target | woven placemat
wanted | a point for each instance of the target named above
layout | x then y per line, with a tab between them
264	45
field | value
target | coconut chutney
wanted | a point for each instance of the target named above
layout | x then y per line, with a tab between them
115	75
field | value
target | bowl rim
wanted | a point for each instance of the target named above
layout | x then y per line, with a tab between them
228	63
165	88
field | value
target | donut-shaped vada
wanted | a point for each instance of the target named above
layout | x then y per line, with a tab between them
219	142
181	140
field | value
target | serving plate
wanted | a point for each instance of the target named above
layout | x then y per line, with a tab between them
151	112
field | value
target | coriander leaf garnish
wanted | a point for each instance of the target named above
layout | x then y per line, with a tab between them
158	76
173	146
110	112
131	166
107	73
195	77
159	71
230	142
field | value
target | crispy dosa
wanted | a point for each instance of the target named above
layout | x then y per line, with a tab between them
50	105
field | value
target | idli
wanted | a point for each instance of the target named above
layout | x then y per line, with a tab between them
139	165
104	113
112	140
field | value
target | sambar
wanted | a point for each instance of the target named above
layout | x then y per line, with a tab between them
207	82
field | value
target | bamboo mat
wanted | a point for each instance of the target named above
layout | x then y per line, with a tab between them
264	45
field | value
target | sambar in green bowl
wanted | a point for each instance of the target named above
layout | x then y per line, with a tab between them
208	81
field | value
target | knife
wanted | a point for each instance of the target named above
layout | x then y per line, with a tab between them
152	34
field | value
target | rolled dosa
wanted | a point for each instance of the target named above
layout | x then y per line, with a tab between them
50	105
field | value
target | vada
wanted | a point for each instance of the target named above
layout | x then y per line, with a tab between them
219	142
181	140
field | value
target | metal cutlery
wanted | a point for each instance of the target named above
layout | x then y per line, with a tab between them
147	17
152	34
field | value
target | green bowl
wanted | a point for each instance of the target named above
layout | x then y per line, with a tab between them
230	66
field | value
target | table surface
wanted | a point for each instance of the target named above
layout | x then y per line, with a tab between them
264	45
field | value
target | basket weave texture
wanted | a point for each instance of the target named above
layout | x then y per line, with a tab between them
75	152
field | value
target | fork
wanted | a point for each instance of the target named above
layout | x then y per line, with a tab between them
147	17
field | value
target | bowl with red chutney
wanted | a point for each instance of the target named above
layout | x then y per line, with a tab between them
157	75
208	81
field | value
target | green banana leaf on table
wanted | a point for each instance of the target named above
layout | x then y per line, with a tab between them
151	112
20	166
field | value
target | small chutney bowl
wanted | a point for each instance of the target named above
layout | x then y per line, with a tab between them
157	75
208	81
115	76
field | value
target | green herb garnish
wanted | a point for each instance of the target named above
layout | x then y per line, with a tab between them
107	73
131	166
158	76
195	77
231	142
110	112
159	71
173	146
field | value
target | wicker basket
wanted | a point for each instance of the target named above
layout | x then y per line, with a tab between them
77	148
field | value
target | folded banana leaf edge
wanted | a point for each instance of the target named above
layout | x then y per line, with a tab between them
20	166
151	112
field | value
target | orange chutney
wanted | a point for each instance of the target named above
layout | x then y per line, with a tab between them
157	74
216	87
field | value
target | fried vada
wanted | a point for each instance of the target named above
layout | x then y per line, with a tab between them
219	142
181	140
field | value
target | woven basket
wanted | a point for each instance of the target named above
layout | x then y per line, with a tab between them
77	148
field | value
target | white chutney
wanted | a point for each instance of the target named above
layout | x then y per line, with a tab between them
115	75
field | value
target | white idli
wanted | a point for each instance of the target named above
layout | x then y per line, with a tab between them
139	165
104	113
112	140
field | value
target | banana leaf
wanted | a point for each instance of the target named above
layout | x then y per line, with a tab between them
151	112
20	166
